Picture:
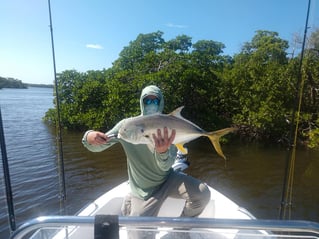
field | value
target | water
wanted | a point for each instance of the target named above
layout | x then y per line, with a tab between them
30	150
252	177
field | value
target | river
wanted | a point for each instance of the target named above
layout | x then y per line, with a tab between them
252	177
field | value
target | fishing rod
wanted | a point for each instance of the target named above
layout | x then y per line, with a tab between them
58	122
7	180
290	158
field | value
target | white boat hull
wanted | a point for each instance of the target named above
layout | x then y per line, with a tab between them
110	203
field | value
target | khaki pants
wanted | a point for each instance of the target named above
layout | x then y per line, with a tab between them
178	185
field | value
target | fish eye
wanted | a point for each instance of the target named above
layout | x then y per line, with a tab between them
142	130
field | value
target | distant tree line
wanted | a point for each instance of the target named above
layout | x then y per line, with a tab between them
18	84
254	90
11	83
40	85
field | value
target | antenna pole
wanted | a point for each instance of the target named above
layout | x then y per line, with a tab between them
287	186
59	134
7	178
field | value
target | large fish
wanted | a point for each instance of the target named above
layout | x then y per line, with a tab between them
139	130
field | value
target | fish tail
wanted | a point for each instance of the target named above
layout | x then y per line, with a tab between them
215	136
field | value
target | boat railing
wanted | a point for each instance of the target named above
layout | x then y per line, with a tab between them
266	228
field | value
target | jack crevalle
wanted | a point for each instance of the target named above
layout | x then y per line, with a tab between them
139	130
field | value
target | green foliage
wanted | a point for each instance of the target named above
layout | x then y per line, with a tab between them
260	86
181	43
254	90
314	138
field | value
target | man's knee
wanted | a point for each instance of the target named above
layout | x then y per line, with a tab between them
197	203
205	194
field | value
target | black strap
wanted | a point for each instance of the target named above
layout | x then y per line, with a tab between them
106	227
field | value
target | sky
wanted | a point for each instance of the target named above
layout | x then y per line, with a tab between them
89	35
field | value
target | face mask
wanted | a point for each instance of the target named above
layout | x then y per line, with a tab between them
150	109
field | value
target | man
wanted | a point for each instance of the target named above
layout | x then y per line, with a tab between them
150	172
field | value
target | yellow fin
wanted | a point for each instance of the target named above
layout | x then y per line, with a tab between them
181	148
215	136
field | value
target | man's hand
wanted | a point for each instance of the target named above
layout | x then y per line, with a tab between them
96	138
163	141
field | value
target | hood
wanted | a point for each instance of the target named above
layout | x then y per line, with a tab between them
152	90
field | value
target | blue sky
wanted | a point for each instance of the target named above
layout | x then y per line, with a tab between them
89	35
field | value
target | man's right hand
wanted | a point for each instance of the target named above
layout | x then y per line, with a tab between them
96	138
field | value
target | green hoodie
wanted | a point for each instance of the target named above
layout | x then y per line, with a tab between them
147	169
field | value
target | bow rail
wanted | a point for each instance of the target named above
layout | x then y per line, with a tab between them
265	228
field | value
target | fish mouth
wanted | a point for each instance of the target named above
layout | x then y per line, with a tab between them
114	136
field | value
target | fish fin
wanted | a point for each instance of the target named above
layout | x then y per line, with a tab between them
215	136
181	148
177	112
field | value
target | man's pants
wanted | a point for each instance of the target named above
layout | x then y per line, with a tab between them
178	185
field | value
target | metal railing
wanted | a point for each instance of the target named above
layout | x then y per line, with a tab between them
279	226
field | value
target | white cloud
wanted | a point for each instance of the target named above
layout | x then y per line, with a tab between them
94	46
176	25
